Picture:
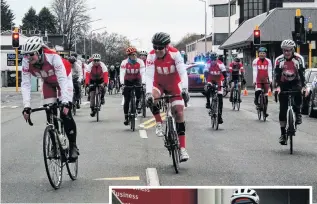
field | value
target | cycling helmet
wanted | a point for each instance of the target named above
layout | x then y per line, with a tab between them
130	50
213	56
143	52
262	49
236	59
288	44
112	67
245	193
182	52
72	59
161	39
74	55
96	56
32	44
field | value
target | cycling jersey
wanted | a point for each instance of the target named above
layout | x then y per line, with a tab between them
84	67
112	74
215	72
262	70
236	68
290	71
97	73
55	74
131	72
77	71
167	74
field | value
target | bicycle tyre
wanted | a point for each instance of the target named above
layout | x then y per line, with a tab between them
57	185
72	176
173	137
238	101
264	110
216	114
97	103
291	129
132	114
259	109
143	105
234	100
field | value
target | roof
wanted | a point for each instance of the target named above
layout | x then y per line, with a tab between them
276	26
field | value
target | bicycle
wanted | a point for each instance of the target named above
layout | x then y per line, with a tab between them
143	102
214	105
226	89
171	141
262	104
117	84
54	139
97	92
132	109
236	96
291	126
111	87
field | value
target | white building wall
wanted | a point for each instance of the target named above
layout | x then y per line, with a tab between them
300	5
214	196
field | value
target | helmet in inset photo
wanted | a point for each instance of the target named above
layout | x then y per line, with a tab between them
245	193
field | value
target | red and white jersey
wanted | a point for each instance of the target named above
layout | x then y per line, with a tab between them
169	71
54	70
262	70
131	72
96	72
236	68
215	71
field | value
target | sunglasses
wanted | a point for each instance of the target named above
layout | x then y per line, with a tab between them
158	47
285	50
96	60
30	54
133	54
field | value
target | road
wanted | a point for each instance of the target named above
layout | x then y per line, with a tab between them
244	151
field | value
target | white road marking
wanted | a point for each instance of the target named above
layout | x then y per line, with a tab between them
14	106
152	177
143	134
3	106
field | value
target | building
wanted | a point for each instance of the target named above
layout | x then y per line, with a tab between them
242	10
275	27
197	47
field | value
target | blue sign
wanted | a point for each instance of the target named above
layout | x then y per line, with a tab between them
11	59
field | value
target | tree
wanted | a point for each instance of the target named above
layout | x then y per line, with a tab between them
7	16
72	19
188	38
30	20
46	21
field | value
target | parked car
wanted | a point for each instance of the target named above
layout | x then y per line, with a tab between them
196	79
310	75
312	102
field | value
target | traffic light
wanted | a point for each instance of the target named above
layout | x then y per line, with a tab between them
299	29
15	40
256	37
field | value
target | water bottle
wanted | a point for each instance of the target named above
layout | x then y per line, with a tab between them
63	140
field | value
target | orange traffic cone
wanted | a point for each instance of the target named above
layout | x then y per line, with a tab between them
270	93
245	92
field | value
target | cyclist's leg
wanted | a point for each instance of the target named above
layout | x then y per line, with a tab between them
178	112
258	89
138	96
283	100
220	100
103	92
77	91
157	91
239	88
207	95
92	98
266	98
232	87
297	104
127	97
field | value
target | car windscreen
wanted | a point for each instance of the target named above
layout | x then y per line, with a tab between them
198	69
312	76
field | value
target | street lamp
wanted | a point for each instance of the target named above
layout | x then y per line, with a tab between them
85	36
205	24
91	38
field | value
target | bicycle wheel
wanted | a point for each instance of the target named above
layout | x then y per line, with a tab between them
234	100
215	114
238	100
132	115
143	105
264	109
72	169
49	134
291	128
173	137
97	99
259	109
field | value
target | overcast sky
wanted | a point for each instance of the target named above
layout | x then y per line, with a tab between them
135	18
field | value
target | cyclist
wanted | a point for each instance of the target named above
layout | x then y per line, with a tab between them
237	75
244	195
143	56
289	75
131	73
166	73
97	73
55	72
112	77
77	78
262	75
217	73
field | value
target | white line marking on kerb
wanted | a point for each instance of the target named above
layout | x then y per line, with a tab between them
152	177
143	134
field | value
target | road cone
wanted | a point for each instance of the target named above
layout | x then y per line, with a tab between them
270	93
245	92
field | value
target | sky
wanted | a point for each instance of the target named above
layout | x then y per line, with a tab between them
136	19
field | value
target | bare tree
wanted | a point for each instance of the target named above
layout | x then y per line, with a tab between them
72	19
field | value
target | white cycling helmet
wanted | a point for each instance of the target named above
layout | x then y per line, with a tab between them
32	44
182	52
112	67
288	44
96	56
143	52
245	193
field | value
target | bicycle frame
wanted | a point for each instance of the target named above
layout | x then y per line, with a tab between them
290	109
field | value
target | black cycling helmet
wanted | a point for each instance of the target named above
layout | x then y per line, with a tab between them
72	59
213	56
236	59
161	39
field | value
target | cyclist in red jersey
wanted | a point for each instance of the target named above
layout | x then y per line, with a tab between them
97	73
143	56
131	73
237	74
217	73
262	75
289	74
166	73
44	63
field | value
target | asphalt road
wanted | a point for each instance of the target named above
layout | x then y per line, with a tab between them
244	151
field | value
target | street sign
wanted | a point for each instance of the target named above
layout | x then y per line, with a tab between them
11	59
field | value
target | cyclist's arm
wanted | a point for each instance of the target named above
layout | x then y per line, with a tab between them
149	74
122	71
80	71
255	69
181	69
301	70
105	73
26	84
88	70
223	69
242	70
270	67
61	71
230	67
142	70
277	71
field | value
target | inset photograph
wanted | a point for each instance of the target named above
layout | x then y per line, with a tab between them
211	195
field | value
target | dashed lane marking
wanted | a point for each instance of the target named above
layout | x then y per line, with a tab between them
143	134
152	178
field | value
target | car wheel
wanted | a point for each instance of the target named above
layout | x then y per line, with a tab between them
311	112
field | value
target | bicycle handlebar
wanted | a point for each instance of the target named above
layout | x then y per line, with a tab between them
46	107
284	92
168	96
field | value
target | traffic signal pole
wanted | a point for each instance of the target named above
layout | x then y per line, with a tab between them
298	14
310	28
16	30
